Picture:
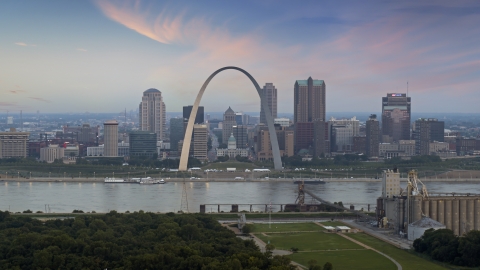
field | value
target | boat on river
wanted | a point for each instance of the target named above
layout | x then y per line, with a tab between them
150	181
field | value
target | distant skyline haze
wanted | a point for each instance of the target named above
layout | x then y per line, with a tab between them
100	56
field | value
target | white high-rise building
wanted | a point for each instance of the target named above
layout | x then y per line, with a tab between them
390	183
152	113
270	93
110	138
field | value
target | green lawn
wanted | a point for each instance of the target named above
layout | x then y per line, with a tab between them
308	241
333	223
346	259
287	227
405	258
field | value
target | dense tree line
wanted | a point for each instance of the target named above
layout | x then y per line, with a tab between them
442	245
346	160
128	241
425	159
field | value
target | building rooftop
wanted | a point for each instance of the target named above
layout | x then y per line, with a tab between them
229	110
305	82
426	222
152	90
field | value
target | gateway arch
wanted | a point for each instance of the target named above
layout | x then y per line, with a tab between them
268	115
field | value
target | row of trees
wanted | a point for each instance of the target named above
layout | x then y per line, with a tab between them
128	241
442	245
346	160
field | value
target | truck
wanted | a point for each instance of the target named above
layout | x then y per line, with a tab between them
231	169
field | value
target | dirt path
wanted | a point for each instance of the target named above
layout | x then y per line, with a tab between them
399	267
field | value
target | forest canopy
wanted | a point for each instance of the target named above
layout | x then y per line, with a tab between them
128	241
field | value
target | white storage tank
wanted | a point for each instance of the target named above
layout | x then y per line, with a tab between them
417	228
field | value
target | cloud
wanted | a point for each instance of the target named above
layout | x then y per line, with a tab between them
81	50
7	104
24	44
17	91
371	57
40	99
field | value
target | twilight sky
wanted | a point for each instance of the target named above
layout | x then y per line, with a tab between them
99	56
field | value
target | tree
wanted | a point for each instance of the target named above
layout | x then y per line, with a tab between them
327	266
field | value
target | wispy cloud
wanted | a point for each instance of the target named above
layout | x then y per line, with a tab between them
7	104
81	50
24	44
40	99
370	57
17	91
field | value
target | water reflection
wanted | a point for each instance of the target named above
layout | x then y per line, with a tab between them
99	197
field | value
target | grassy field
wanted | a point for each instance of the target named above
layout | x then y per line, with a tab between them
341	252
308	241
405	258
287	227
346	259
332	223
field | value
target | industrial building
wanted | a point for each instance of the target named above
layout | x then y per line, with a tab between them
400	209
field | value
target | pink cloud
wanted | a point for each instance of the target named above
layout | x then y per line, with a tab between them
40	99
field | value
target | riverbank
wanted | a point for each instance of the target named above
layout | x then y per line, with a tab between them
272	180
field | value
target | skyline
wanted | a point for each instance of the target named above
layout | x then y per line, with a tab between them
99	56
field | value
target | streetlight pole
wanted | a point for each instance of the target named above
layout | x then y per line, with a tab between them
18	175
64	175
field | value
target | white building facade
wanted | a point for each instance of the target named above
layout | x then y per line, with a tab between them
52	152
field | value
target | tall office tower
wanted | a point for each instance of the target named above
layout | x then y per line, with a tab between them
13	144
240	134
110	138
142	143
309	100
177	132
228	123
308	106
321	139
303	135
239	118
269	92
372	134
396	117
199	118
342	133
152	114
427	131
200	139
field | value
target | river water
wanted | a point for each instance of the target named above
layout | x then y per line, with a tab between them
64	197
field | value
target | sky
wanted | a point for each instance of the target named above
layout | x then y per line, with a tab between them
99	56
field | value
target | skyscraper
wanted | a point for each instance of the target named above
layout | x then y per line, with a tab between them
308	106
199	118
110	138
177	132
228	123
240	134
269	92
425	132
396	117
200	139
373	132
152	113
309	100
